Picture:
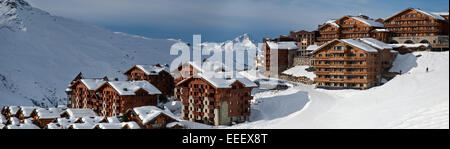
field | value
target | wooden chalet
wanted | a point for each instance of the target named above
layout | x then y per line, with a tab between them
349	27
286	51
215	98
352	63
188	69
416	22
150	117
24	112
157	75
10	111
116	97
44	116
81	93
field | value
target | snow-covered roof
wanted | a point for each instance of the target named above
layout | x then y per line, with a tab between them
74	113
131	125
376	43
222	80
436	16
54	126
148	113
312	47
113	119
2	125
441	13
93	120
284	45
332	22
22	126
13	109
173	124
410	45
49	113
381	30
299	71
65	122
130	87
82	126
92	84
369	22
152	69
433	15
14	120
359	45
26	111
109	125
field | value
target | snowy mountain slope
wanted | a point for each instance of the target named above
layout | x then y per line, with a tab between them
40	53
416	99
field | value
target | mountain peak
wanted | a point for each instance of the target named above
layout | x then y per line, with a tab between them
14	3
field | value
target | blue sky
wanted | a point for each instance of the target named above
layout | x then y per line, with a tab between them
222	20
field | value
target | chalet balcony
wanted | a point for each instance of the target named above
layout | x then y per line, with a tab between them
417	31
340	66
348	25
363	81
410	18
328	32
340	58
340	73
412	24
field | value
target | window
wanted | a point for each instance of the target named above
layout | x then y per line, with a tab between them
338	48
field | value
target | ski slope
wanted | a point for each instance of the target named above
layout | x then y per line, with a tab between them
416	99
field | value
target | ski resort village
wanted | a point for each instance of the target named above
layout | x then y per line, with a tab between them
351	72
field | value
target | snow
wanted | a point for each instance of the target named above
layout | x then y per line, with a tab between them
332	22
26	111
93	119
369	22
22	126
82	126
130	87
113	120
92	84
441	13
151	69
109	125
360	45
13	110
283	45
148	113
224	80
382	30
14	120
49	113
299	71
30	37
416	45
415	99
131	125
74	113
376	43
436	16
2	119
173	124
312	47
